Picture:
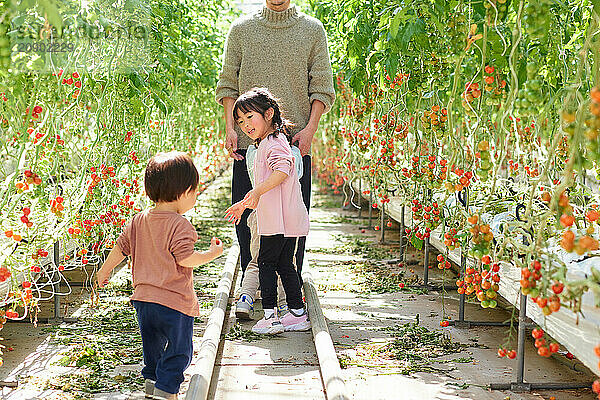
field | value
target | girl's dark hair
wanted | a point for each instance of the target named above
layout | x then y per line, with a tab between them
260	100
169	175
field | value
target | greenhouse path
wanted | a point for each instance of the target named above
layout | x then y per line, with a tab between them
386	338
359	321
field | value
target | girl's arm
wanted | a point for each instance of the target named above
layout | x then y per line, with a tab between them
114	258
234	213
274	180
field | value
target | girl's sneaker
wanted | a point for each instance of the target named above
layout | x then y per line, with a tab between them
269	326
244	307
292	322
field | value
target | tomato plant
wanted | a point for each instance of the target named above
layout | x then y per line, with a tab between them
495	101
88	95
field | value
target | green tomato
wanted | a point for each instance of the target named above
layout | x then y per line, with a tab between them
534	84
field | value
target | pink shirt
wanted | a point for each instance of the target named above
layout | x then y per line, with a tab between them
281	209
156	241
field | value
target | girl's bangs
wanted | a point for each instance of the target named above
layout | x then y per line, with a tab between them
246	105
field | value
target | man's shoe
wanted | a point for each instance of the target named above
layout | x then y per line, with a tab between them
149	392
244	307
162	395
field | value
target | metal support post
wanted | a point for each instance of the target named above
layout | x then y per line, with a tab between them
382	226
402	235
426	263
359	197
56	285
521	338
520	386
461	303
370	209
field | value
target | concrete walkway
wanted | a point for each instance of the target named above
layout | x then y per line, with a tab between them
356	320
285	366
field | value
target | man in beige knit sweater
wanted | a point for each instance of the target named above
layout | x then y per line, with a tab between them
285	51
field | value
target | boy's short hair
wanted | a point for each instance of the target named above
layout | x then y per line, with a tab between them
169	175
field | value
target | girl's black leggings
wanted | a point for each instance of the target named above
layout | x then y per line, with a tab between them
276	256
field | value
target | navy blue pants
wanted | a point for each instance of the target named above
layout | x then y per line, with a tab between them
240	185
167	344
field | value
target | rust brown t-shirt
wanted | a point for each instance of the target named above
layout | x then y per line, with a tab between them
156	242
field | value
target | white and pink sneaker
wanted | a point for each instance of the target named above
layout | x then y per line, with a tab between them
293	322
269	326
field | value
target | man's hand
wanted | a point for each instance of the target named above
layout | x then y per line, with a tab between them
303	139
231	138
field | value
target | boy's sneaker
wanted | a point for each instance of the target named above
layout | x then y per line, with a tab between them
282	310
268	326
292	322
244	307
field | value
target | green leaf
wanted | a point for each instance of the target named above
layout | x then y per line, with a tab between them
398	18
49	9
391	65
416	242
413	28
159	103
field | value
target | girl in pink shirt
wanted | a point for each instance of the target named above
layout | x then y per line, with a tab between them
281	214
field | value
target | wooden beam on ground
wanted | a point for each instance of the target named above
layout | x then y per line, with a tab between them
204	364
335	387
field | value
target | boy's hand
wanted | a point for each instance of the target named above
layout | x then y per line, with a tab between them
234	213
251	199
216	246
101	278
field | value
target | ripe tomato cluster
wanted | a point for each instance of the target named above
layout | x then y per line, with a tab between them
464	179
442	262
544	348
451	240
503	352
30	178
495	85
56	206
25	217
4	274
74	80
469	95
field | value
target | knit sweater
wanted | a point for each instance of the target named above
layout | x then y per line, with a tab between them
285	52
